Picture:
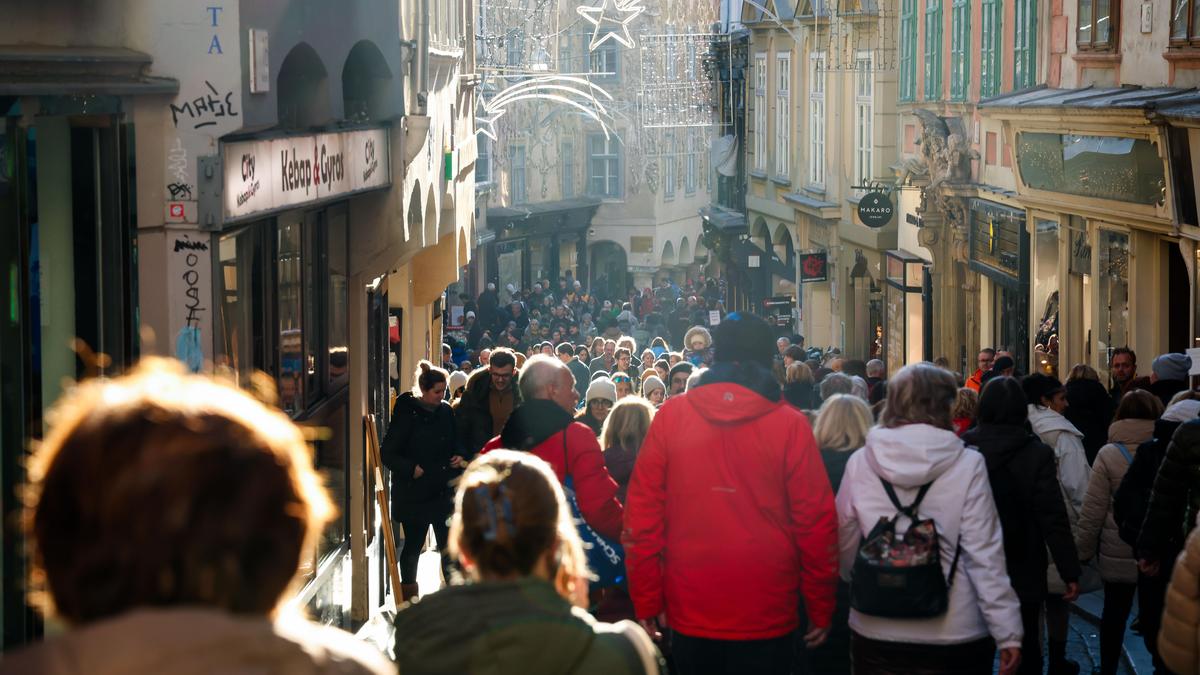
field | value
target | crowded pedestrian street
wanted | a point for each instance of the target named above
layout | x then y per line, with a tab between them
600	337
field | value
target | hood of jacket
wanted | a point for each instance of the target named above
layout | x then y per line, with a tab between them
1131	433
1087	394
912	455
1045	420
497	627
999	442
533	422
194	641
735	393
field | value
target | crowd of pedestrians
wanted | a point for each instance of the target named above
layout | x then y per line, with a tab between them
704	499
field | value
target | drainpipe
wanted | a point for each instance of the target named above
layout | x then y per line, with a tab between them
421	62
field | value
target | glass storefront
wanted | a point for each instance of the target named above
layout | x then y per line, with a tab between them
1046	297
905	315
1112	281
999	251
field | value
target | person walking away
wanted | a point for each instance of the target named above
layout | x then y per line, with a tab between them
1096	533
1179	638
966	409
625	429
601	396
543	425
1171	512
730	517
1089	408
1033	516
1130	504
841	429
488	400
915	453
579	369
1169	376
1047	402
799	390
232	510
421	450
521	610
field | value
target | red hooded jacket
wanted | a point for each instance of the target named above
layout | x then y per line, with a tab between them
730	517
544	429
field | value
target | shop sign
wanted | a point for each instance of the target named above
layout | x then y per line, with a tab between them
1081	254
814	267
875	209
996	234
280	173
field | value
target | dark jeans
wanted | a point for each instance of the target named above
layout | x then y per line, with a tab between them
876	657
702	656
1031	644
414	538
1151	596
1118	600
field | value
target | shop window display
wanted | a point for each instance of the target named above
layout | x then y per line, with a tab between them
1113	282
1046	298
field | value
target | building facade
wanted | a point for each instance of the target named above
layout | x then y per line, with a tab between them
821	95
303	194
610	198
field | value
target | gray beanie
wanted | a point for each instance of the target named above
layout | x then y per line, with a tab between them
1172	367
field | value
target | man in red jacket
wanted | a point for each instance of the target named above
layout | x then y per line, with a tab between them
730	519
543	425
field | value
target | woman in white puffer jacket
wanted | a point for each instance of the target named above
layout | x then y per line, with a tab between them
914	446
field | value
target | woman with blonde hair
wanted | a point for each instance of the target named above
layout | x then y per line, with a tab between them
170	513
841	429
799	386
522	608
624	430
966	409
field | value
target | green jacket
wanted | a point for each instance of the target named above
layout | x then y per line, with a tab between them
519	627
1175	499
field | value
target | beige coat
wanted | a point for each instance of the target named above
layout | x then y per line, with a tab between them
198	642
1179	637
1096	531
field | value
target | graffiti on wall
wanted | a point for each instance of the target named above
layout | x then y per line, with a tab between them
190	296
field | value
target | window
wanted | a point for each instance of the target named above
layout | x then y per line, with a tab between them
960	46
604	166
566	63
933	50
989	59
1025	45
908	49
514	50
483	163
605	62
517	191
289	282
668	172
864	118
690	184
568	169
1185	28
816	119
760	112
1099	21
783	114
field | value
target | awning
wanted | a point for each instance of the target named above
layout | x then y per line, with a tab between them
726	220
563	214
27	70
1128	98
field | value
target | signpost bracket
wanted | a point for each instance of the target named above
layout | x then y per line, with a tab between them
211	188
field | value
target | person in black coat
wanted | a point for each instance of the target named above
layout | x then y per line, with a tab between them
1089	408
421	449
1029	501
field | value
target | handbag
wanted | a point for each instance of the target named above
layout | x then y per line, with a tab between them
606	558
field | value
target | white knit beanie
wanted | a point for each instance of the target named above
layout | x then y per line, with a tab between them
601	387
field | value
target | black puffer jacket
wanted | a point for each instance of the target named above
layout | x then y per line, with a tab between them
1175	498
421	437
802	395
1090	409
1024	481
1133	497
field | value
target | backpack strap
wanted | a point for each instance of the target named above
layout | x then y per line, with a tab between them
1124	452
911	509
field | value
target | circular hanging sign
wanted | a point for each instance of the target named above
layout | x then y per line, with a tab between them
875	209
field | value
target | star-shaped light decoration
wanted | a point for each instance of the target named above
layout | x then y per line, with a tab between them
486	124
619	13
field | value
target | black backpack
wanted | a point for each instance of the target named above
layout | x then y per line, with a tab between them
902	578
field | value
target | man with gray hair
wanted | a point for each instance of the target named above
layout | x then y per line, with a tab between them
544	425
836	383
